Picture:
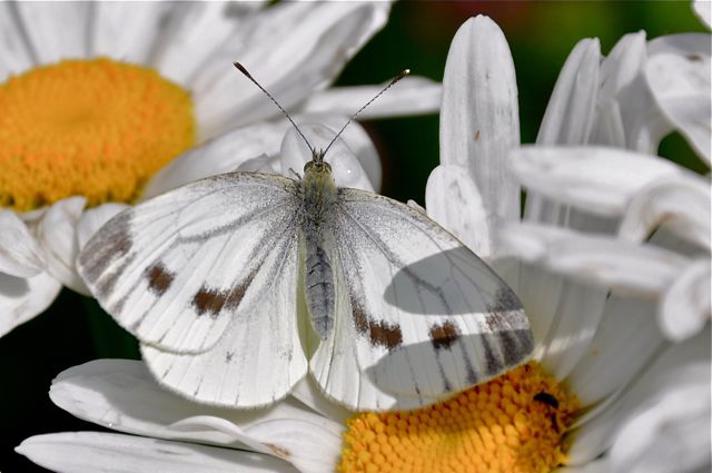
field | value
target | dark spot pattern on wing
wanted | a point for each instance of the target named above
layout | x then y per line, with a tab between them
159	278
110	244
213	300
379	333
209	300
385	334
444	335
516	345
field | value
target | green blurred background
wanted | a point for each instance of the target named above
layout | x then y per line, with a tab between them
540	34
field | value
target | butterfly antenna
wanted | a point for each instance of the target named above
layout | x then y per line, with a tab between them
402	74
242	69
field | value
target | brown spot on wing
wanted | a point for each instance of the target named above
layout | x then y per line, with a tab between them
444	335
477	135
385	334
159	278
238	292
209	300
379	332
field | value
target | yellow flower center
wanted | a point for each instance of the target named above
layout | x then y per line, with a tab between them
97	128
513	424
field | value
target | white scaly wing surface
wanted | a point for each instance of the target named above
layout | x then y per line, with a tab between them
418	316
174	270
205	276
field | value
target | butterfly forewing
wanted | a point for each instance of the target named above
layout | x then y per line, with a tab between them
174	270
420	314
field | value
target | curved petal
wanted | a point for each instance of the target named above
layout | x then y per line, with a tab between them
411	96
122	395
680	204
56	30
57	233
479	122
678	74
357	140
627	268
453	200
703	10
623	343
20	255
670	433
597	179
569	115
293	49
90	452
346	167
678	365
195	33
15	54
685	308
223	154
22	299
128	31
627	115
92	219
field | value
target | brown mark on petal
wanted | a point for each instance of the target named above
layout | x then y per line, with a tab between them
159	278
477	135
281	452
444	335
694	57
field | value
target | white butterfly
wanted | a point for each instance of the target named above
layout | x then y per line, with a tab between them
239	284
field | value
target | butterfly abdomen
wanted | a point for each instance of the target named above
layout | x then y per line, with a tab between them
319	288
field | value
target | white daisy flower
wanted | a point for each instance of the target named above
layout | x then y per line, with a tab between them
99	98
605	393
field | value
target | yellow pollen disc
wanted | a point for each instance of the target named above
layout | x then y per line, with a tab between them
97	128
512	424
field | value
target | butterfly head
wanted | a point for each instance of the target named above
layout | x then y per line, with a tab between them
317	166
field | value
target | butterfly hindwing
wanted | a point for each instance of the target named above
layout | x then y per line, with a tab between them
418	315
260	357
176	270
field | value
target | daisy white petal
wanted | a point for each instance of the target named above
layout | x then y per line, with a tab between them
454	201
626	332
480	124
347	171
192	36
56	30
570	113
677	365
57	233
293	49
625	267
670	433
598	466
678	73
23	298
20	254
685	307
219	155
91	452
579	309
627	115
703	10
308	394
357	140
127	30
92	219
16	54
680	204
413	95
598	179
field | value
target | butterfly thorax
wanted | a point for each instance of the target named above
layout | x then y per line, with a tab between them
320	194
319	190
